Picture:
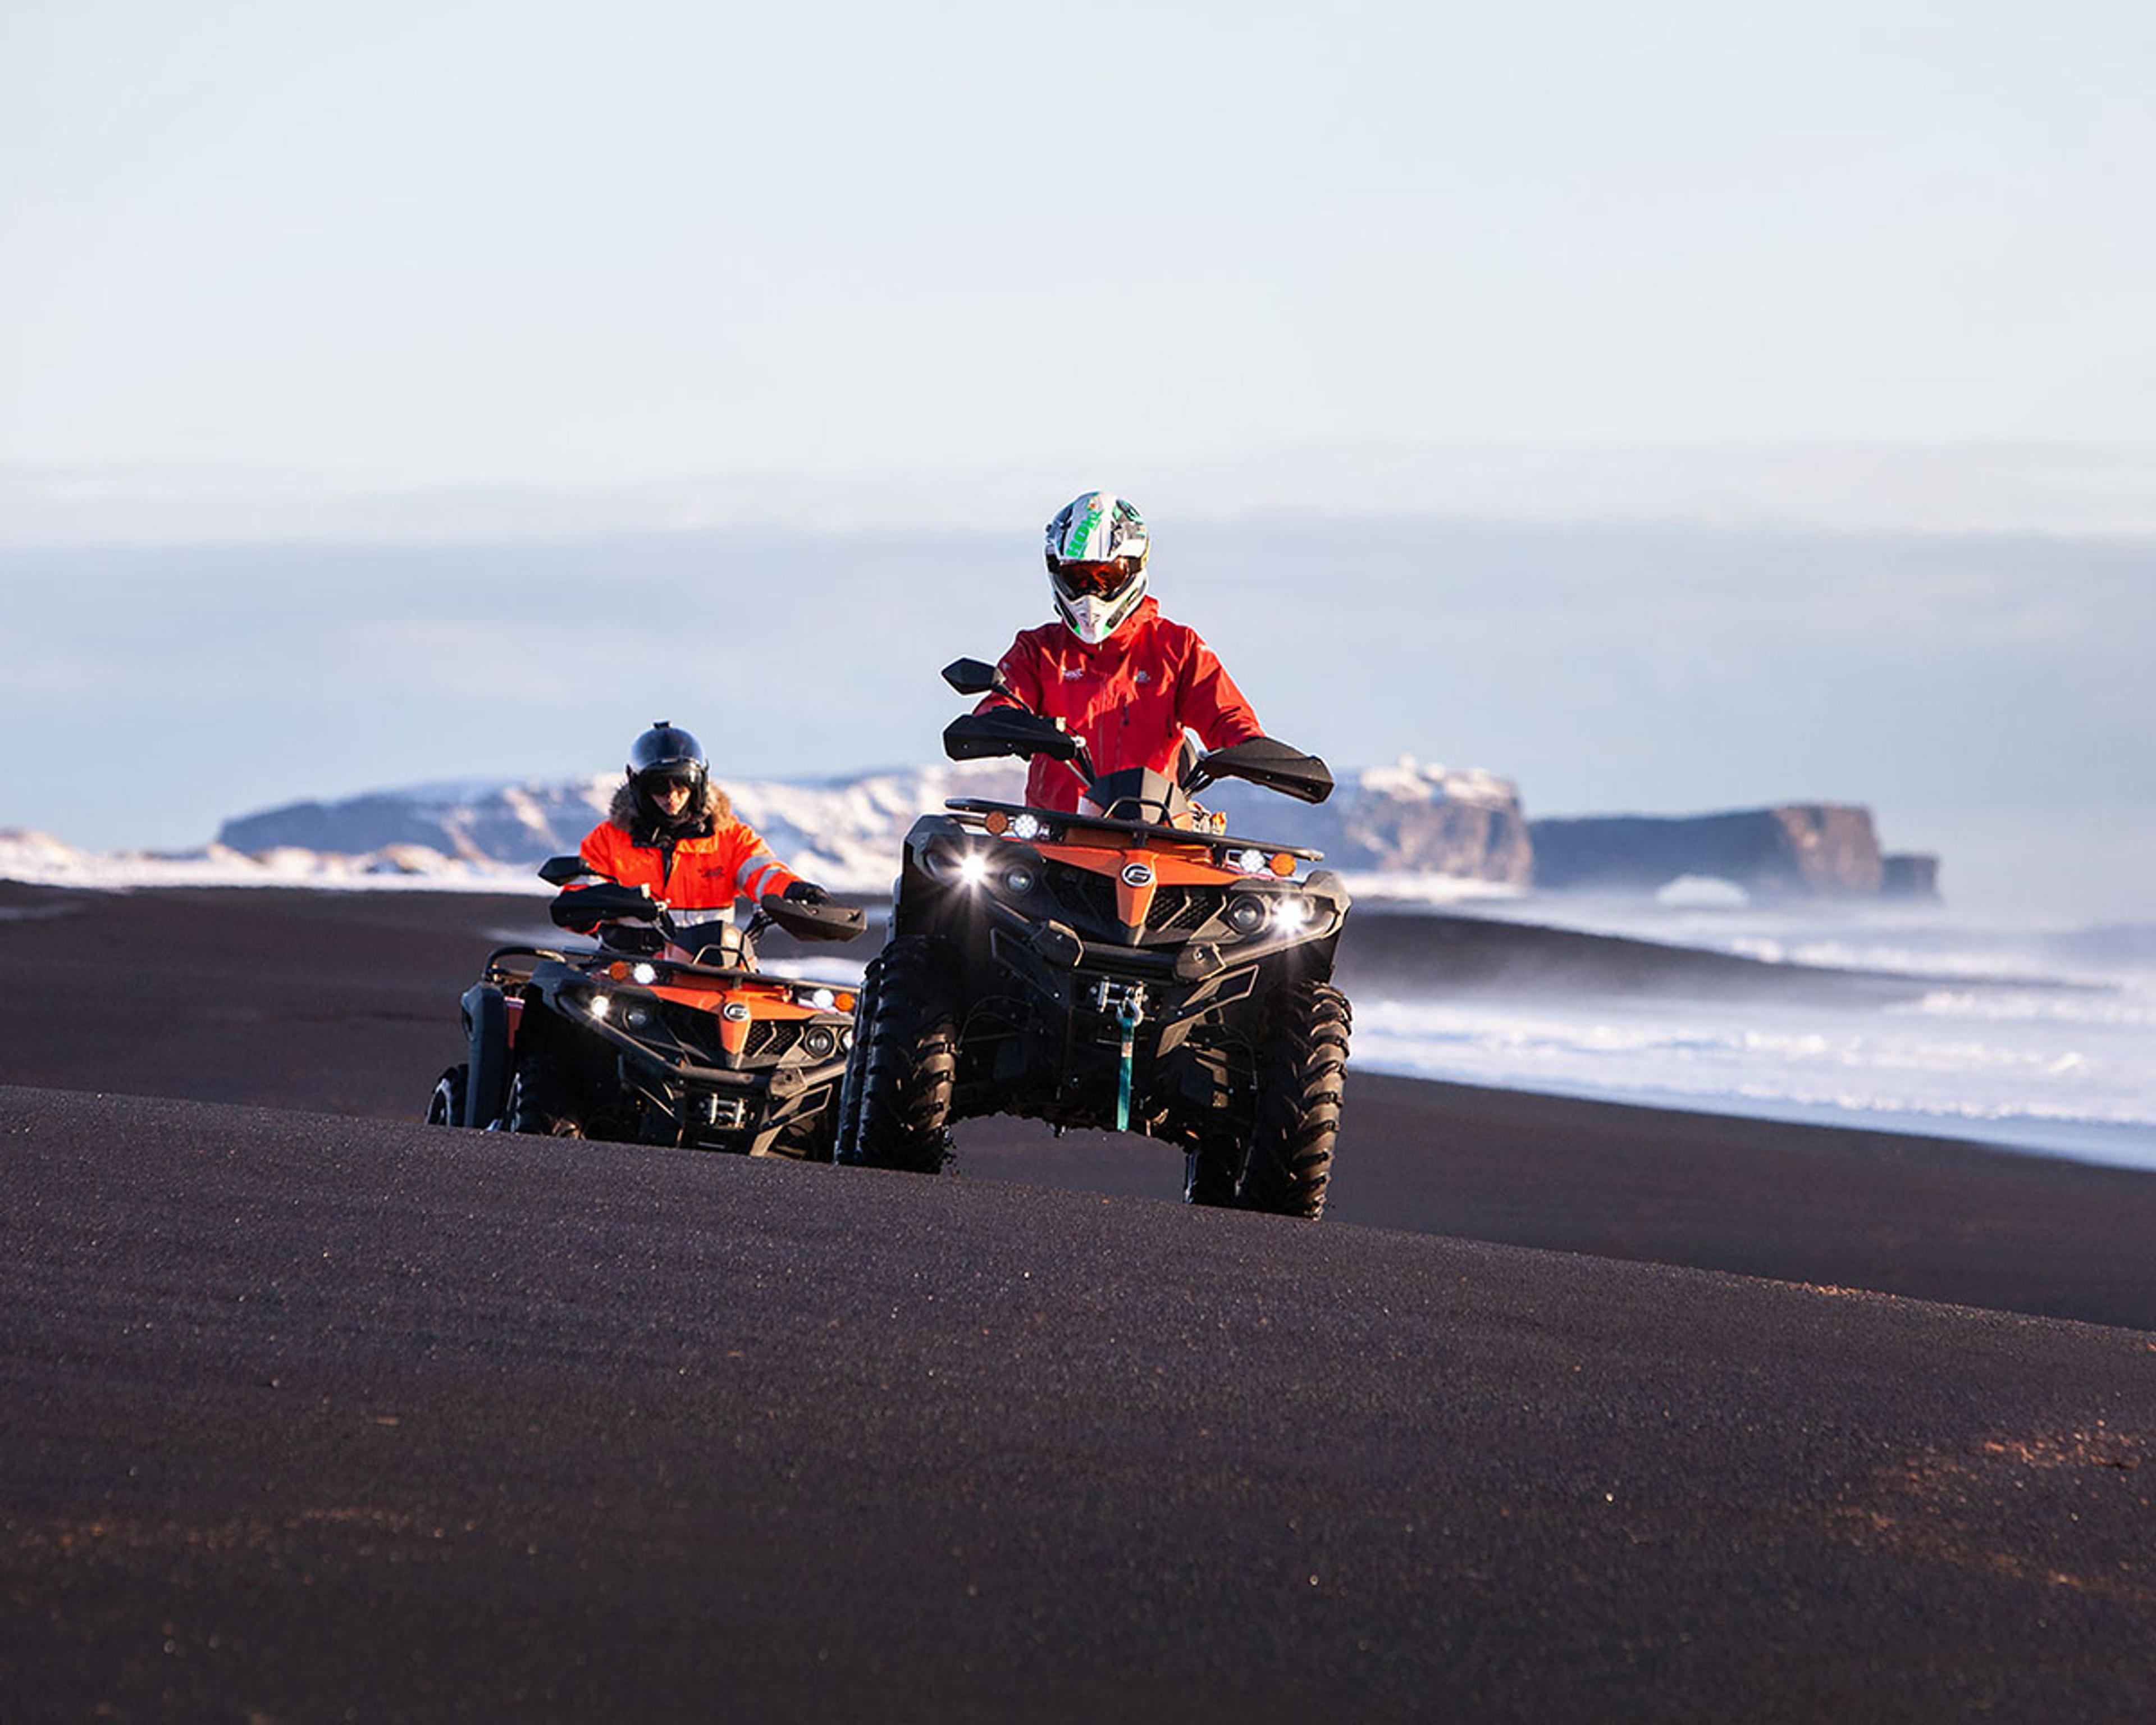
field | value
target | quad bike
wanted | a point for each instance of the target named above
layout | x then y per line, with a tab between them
666	1034
1130	966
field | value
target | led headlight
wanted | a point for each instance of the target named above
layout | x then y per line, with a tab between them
1027	828
599	1005
973	868
816	999
1291	914
1246	862
646	974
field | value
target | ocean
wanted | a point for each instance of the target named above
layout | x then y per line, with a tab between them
2031	1034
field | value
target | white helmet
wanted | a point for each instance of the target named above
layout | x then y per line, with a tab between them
1096	559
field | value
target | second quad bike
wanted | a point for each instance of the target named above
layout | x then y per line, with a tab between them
1132	967
667	1034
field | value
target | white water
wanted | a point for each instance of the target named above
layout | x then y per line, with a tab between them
2039	1037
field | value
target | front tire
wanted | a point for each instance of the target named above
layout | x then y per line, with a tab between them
537	1105
852	1084
1300	1078
907	1069
446	1106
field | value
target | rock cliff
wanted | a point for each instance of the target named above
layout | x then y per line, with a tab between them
1807	849
1409	818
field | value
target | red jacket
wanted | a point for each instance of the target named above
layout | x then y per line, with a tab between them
1130	697
704	872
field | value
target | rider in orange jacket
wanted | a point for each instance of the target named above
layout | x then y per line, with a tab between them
1117	672
673	833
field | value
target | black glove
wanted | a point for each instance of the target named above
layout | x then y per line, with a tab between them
806	892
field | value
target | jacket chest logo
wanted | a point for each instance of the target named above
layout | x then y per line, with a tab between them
1142	677
1073	673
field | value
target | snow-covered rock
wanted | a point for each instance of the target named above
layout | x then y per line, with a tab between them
1405	819
39	860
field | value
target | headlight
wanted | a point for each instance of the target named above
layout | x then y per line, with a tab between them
820	1042
945	861
1019	881
599	1005
1027	828
1246	913
636	1016
816	999
646	974
1290	915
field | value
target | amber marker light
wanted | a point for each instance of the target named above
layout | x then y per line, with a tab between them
1282	864
998	822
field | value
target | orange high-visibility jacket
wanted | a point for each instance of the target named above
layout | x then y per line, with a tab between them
1130	697
702	872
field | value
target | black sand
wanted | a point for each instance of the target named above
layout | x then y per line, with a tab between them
314	1417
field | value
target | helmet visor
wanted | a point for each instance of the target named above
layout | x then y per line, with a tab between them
1095	581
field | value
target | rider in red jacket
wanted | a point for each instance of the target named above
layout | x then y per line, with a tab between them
673	833
1117	673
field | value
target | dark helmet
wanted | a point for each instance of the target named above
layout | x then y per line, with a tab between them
667	753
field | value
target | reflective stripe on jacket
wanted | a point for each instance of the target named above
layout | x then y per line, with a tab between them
702	872
1130	697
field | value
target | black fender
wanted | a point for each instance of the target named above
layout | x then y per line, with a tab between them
486	1022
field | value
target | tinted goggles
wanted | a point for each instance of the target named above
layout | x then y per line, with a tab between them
1095	581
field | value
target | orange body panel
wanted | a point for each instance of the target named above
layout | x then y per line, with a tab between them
1171	864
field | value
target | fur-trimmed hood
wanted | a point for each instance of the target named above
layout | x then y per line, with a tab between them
716	810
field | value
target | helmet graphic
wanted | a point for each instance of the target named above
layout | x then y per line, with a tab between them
1096	559
667	754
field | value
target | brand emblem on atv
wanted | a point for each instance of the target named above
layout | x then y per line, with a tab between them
1137	874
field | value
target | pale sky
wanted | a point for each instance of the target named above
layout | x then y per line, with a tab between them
537	243
426	357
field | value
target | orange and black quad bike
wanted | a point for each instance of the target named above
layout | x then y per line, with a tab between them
666	1033
1130	968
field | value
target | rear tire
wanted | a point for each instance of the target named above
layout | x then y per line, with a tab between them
911	1061
1210	1167
446	1106
810	1140
1300	1078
